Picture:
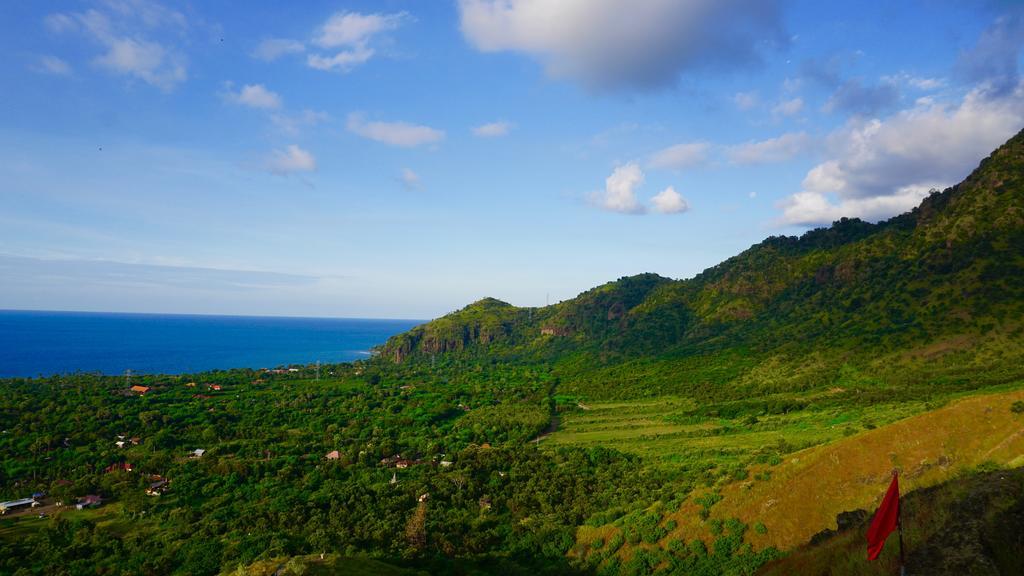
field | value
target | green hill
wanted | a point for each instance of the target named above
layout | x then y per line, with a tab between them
934	294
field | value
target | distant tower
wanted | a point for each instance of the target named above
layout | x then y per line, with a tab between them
318	370
128	377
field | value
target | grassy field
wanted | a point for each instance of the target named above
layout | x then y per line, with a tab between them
790	474
109	516
673	432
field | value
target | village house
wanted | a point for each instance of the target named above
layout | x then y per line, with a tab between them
13	504
215	387
141	390
90	501
157	488
397	461
333	455
197	453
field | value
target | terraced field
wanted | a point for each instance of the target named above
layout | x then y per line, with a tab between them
673	431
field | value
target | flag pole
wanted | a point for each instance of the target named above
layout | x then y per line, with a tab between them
899	527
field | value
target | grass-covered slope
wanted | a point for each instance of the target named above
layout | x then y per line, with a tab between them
811	487
941	282
972	524
775	499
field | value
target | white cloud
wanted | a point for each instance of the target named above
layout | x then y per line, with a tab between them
879	168
811	208
256	96
777	149
292	124
668	201
119	28
291	159
355	29
393	133
613	44
52	65
409	179
492	129
921	83
148	61
351	32
789	107
620	190
745	100
926	83
620	194
344	61
273	48
680	156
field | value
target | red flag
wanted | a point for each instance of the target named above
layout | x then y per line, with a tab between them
887	518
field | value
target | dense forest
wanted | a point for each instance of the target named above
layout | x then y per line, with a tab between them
598	435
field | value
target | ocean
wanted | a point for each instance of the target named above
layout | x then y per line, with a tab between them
36	343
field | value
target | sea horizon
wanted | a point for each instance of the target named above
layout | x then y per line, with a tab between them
42	343
204	314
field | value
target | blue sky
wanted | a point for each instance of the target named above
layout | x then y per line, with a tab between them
400	159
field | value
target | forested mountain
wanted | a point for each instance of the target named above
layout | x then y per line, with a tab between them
946	278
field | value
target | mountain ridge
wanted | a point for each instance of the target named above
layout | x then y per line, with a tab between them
946	269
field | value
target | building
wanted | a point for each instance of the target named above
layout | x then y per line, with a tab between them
141	390
333	455
197	453
13	504
157	488
90	501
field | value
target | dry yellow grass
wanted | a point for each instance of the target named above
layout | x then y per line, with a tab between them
808	490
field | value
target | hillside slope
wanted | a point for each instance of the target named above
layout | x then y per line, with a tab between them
811	491
810	488
973	524
941	281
